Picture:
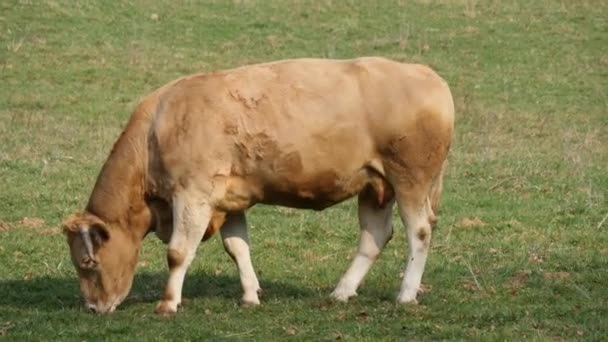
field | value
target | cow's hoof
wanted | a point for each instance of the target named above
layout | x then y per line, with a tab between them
250	302
407	300
251	299
343	295
166	308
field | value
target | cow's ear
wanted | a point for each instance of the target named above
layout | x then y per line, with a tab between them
72	223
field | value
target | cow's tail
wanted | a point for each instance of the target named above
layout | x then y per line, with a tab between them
435	194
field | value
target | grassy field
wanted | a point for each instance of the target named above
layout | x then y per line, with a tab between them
521	251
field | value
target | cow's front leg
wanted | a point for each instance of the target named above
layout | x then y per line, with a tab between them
236	243
190	220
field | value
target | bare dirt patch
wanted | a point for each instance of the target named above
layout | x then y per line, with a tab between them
517	282
556	275
474	222
32	222
5	226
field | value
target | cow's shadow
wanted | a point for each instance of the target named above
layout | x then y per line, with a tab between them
53	294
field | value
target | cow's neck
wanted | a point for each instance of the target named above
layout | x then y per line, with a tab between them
118	197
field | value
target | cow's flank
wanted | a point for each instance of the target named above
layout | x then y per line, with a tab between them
305	133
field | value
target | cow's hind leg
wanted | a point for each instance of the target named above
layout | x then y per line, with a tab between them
190	220
376	231
417	216
236	243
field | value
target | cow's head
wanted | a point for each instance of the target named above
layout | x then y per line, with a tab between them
105	259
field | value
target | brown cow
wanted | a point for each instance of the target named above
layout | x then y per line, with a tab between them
304	133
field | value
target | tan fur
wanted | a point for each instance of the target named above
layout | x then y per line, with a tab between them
305	133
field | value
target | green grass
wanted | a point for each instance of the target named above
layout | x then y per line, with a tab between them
519	253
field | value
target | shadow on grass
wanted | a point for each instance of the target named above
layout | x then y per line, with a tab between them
53	294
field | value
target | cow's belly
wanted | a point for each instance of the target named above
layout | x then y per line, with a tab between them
317	172
316	191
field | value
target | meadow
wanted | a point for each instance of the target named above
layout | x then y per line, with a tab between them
521	249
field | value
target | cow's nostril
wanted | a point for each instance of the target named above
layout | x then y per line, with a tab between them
92	308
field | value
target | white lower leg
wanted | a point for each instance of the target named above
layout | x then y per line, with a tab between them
236	243
419	237
189	225
173	292
376	230
350	281
249	281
